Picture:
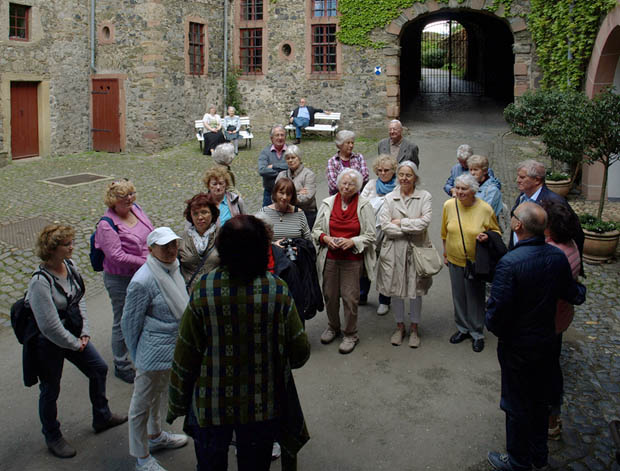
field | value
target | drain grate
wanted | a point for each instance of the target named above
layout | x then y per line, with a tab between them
23	234
74	180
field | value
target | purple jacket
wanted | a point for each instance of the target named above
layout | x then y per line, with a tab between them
125	251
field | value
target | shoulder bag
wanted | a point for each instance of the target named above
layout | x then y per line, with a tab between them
470	267
427	261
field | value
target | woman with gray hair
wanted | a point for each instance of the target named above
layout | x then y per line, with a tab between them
344	235
231	127
490	187
465	220
345	158
223	155
463	152
304	180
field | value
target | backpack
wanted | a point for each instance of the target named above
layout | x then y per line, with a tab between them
97	255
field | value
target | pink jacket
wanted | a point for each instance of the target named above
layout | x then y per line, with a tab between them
126	250
566	311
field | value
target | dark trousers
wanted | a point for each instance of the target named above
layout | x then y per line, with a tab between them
365	288
526	395
267	197
310	217
557	391
50	359
254	444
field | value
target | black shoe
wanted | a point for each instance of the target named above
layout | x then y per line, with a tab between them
113	421
297	141
499	461
127	375
61	448
459	337
363	301
478	345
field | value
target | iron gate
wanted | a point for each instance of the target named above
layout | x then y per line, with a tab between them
445	65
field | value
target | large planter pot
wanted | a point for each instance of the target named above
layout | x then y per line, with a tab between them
598	248
561	187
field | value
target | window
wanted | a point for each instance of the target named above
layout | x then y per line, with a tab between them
251	50
18	21
196	49
251	10
324	8
324	48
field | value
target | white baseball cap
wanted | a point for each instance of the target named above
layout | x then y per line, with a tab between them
161	236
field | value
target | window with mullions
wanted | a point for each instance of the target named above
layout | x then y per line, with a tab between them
324	49
196	49
251	50
324	8
251	10
18	21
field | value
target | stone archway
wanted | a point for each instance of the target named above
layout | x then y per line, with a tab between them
523	70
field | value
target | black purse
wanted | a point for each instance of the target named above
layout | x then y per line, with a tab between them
470	267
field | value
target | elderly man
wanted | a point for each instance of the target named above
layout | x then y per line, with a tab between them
463	152
302	117
528	282
397	146
271	161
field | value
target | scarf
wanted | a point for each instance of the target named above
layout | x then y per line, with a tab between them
383	188
201	242
171	284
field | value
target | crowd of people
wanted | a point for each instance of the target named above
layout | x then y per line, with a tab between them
215	317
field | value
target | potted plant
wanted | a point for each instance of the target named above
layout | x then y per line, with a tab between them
559	182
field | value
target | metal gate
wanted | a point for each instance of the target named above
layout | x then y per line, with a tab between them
446	62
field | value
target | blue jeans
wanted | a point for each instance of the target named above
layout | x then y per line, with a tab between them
117	290
300	123
50	358
266	197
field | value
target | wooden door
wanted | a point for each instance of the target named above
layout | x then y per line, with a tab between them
106	120
24	120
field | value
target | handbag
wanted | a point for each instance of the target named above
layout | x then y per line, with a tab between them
427	261
470	267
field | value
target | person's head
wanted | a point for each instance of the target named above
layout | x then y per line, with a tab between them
212	109
349	182
217	180
121	194
163	244
479	167
528	220
384	167
407	174
243	247
55	239
395	130
231	111
466	187
345	141
284	193
224	154
302	102
530	176
201	211
558	228
464	152
262	216
292	155
278	136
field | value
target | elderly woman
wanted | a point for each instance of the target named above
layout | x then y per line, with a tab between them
218	182
121	235
384	167
197	252
489	190
212	134
304	180
55	295
465	220
345	158
223	155
344	235
156	300
404	218
289	222
463	153
232	124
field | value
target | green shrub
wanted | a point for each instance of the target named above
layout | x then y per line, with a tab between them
433	59
594	224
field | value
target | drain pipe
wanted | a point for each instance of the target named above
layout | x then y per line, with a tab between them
92	36
225	56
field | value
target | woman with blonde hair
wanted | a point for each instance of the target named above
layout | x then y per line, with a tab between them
219	184
212	134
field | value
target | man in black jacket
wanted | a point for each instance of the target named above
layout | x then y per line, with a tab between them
303	116
528	282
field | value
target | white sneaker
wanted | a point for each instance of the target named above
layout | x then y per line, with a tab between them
348	344
383	309
168	440
276	451
150	465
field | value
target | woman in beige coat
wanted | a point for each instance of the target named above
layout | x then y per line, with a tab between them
404	219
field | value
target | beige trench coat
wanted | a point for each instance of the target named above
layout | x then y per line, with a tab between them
396	275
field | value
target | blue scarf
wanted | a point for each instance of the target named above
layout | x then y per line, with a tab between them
384	188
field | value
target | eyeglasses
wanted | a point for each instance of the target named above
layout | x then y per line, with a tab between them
128	195
512	214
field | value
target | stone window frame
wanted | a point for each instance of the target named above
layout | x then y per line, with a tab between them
101	36
205	45
311	22
27	17
243	24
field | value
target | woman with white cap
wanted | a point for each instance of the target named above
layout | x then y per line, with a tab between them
156	299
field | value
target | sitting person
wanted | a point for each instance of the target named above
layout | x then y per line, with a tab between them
232	124
212	134
302	117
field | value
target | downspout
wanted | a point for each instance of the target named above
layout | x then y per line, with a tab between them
92	36
225	56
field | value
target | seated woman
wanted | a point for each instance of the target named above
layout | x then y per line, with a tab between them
197	252
289	222
345	158
212	133
156	300
304	180
232	124
489	190
56	297
218	182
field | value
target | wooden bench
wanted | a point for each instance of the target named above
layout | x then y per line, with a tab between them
245	131
323	122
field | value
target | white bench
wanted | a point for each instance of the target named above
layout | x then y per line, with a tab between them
245	132
323	122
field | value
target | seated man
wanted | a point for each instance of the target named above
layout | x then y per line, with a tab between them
302	117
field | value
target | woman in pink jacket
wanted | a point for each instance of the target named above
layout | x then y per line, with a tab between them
125	249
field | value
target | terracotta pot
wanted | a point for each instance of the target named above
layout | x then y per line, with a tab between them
599	248
561	187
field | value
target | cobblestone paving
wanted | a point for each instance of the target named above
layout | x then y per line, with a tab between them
591	356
